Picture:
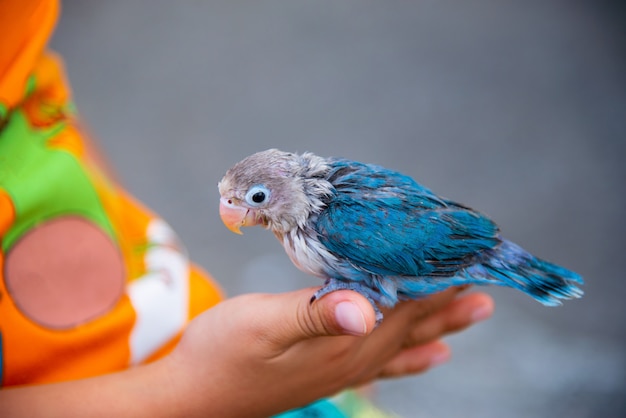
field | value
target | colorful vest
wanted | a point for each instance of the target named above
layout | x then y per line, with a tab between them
90	281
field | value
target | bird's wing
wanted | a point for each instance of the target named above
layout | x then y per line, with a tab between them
387	224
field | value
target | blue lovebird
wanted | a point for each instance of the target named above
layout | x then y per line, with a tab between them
378	232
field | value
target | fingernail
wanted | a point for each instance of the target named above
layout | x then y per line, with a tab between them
481	313
350	318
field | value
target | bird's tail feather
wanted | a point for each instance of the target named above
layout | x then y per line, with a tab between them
511	265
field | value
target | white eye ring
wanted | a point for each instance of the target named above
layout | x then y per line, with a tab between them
257	195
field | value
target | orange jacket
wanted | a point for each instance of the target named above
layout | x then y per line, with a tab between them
90	281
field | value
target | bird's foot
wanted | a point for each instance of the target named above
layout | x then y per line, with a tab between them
333	285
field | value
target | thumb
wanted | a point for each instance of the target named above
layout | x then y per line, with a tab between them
343	312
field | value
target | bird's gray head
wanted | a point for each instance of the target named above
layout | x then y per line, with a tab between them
277	189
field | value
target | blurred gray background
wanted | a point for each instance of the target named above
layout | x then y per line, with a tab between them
517	108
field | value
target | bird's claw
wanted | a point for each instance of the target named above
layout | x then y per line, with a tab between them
332	285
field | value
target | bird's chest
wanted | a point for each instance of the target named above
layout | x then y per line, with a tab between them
305	252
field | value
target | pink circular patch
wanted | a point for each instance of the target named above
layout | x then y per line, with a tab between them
64	272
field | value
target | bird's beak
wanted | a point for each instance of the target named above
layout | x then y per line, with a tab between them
234	216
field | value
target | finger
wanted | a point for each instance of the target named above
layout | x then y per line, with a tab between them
343	312
387	340
417	310
457	315
416	360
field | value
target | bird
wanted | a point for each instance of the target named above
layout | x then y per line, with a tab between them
378	232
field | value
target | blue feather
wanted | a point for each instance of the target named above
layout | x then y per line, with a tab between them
390	234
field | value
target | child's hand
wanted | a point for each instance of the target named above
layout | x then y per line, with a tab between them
256	354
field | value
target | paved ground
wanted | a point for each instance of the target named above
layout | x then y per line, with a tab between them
515	108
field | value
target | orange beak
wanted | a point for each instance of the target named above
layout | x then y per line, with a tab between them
234	216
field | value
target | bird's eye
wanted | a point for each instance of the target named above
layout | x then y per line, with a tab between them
257	195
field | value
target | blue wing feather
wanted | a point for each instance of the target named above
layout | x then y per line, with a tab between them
387	224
